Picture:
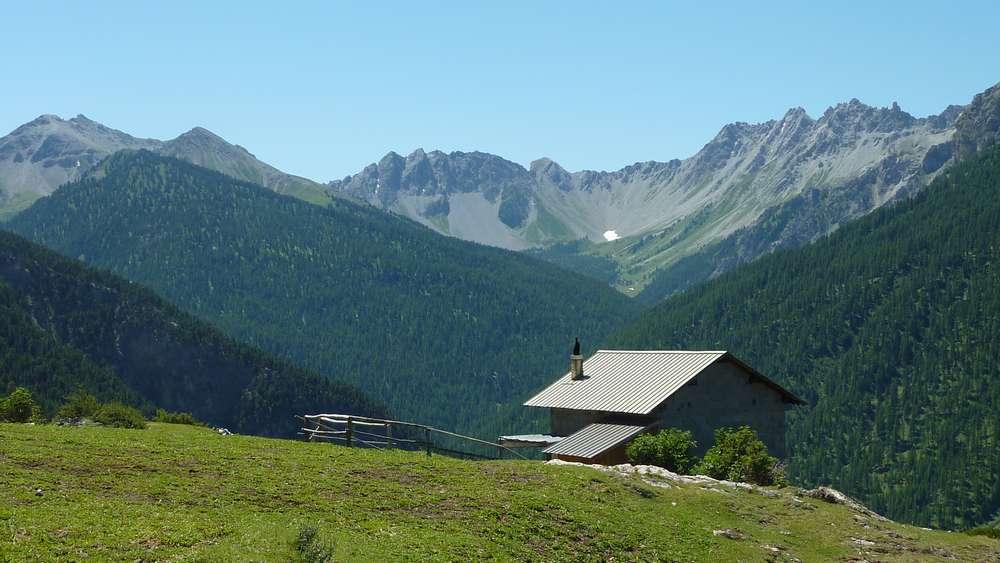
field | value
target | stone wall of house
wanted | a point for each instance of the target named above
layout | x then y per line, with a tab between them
721	396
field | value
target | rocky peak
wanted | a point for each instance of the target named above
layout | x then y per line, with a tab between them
546	170
857	117
946	118
978	126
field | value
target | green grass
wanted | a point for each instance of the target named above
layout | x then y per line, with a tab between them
185	493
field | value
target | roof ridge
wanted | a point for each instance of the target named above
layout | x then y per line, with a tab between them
662	352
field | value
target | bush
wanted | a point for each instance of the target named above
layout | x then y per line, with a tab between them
987	531
19	407
79	404
670	448
120	416
310	549
739	455
176	418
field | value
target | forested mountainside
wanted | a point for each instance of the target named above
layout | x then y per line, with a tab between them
889	328
646	217
46	152
65	324
446	332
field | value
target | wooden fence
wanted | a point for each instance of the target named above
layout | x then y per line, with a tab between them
365	432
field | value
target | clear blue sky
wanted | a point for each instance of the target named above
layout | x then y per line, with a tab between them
321	89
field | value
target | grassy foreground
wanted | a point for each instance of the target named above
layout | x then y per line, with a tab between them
184	493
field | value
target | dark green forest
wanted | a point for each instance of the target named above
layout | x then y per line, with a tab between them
63	324
446	332
889	328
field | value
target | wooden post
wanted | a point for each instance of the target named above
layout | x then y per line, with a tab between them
499	448
350	432
427	437
388	436
311	436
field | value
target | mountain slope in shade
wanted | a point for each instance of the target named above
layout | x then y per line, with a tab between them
655	213
47	152
888	328
65	324
444	331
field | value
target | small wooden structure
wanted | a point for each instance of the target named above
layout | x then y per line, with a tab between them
378	433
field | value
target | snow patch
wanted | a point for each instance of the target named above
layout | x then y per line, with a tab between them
611	235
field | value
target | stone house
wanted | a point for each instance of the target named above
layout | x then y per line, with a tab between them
615	395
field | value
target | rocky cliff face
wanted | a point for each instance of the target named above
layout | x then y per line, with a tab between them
47	152
979	126
475	196
647	216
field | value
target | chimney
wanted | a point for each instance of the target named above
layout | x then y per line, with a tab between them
576	361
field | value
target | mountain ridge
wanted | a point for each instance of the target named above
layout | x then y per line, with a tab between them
649	215
48	151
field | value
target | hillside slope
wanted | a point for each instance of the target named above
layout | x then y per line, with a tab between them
49	151
65	324
446	332
182	493
888	327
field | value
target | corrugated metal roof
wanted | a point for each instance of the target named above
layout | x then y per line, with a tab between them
593	439
625	381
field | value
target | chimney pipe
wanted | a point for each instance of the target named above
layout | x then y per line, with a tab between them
576	361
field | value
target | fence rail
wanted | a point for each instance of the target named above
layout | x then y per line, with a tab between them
363	431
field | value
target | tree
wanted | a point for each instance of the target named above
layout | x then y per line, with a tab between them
19	407
739	455
79	404
670	448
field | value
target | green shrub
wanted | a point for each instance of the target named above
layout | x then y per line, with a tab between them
79	404
987	531
309	548
19	407
176	418
670	448
739	455
120	416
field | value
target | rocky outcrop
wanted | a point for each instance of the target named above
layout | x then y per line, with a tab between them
979	126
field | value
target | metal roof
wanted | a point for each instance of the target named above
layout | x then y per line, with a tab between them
624	381
634	382
590	441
